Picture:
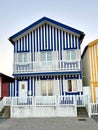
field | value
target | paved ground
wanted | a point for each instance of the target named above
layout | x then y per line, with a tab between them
49	124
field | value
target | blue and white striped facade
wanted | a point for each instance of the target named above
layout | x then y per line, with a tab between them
47	54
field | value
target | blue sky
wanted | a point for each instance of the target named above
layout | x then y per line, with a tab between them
18	14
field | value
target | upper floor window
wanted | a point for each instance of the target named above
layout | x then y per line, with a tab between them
70	55
46	56
22	57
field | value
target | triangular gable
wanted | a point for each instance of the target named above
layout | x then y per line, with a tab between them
50	21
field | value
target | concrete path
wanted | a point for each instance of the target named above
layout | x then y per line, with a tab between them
49	124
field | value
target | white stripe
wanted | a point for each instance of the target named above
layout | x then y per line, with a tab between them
44	37
30	42
27	42
65	39
71	40
38	41
41	38
24	44
33	45
50	35
62	38
59	42
53	36
74	42
33	85
56	37
47	35
15	87
68	39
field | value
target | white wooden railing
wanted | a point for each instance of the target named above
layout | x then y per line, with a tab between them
40	66
50	100
6	101
93	109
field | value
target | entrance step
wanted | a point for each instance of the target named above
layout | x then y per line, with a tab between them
82	112
5	113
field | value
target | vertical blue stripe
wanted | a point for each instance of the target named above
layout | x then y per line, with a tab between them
66	40
17	45
31	86
25	43
73	41
78	43
17	86
57	44
20	44
34	86
69	40
37	40
48	38
54	40
28	87
51	38
28	43
34	44
60	45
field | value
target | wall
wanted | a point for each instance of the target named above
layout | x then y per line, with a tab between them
30	111
86	68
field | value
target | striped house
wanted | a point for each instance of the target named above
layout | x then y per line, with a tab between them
47	59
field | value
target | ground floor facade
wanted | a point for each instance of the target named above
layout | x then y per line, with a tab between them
47	85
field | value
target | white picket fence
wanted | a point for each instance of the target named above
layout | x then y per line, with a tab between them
93	109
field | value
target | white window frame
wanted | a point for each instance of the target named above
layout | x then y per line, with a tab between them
71	55
73	86
46	54
22	57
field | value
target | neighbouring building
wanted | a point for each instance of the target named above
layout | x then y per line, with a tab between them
47	60
6	86
90	69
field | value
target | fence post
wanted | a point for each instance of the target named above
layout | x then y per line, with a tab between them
89	107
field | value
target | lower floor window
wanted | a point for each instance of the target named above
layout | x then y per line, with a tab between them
47	89
72	85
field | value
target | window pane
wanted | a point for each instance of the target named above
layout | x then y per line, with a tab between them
50	90
69	85
25	57
43	56
74	85
73	55
20	57
44	88
68	55
49	56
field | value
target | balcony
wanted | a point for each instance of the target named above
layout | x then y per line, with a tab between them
51	66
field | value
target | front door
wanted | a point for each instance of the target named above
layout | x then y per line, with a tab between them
96	94
22	91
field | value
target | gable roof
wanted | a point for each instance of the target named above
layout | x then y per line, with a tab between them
6	77
48	20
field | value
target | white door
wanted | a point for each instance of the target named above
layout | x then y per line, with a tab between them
22	91
96	94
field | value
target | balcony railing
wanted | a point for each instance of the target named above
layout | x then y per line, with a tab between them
46	66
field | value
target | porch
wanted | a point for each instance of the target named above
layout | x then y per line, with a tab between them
45	106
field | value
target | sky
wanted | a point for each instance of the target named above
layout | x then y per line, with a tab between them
15	15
